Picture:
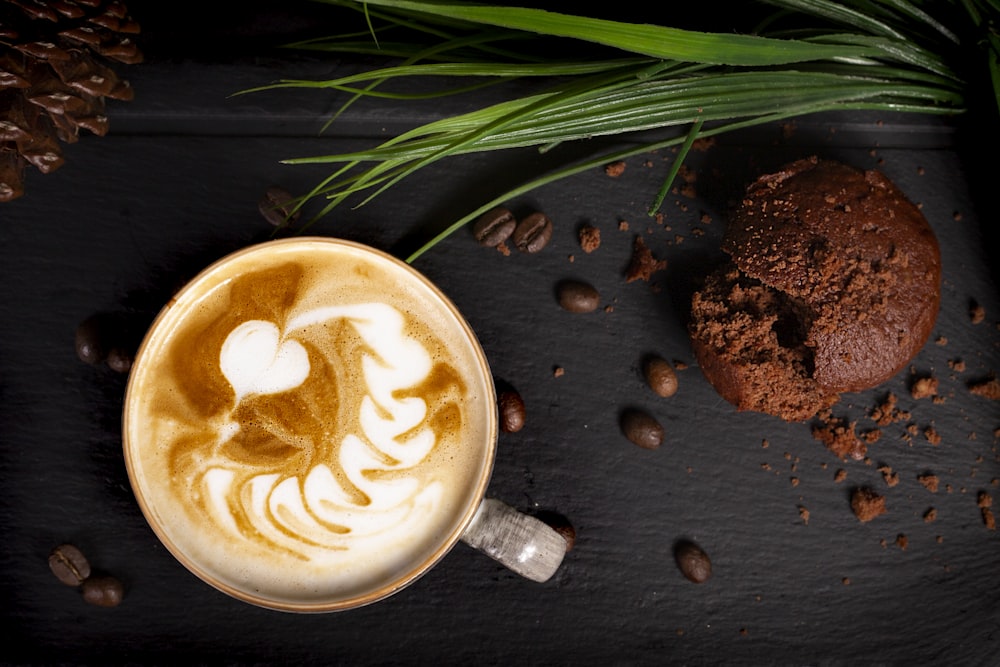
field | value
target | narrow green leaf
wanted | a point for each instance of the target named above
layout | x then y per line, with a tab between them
897	50
909	10
642	38
841	14
676	166
466	69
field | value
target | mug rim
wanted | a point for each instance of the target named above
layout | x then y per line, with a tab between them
383	589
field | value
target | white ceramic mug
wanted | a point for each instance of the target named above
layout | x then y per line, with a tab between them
310	425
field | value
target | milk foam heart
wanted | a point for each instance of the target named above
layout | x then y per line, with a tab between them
256	360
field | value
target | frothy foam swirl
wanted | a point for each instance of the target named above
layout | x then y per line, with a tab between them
319	508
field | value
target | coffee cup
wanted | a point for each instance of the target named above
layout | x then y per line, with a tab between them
310	425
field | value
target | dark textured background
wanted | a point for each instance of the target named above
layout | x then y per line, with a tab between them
175	185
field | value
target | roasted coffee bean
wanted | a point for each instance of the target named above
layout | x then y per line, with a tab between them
92	339
642	429
693	562
578	297
103	591
532	233
512	411
494	227
560	524
277	206
120	360
660	376
69	564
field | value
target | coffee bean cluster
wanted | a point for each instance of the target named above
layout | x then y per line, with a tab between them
103	338
72	568
638	426
499	225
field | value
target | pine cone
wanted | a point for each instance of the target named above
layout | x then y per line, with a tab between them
55	73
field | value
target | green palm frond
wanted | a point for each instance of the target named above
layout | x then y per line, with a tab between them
808	56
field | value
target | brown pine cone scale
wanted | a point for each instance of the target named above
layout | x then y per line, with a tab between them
56	70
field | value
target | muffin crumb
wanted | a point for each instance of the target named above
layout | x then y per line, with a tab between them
891	477
887	412
867	504
924	387
643	264
976	313
590	238
615	169
840	437
985	502
986	389
929	481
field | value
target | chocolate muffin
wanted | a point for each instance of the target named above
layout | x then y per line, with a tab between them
833	286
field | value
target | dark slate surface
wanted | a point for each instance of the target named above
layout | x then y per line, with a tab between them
175	185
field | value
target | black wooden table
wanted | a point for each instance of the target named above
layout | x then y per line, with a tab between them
798	580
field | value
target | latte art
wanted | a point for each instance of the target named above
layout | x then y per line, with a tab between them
309	424
315	510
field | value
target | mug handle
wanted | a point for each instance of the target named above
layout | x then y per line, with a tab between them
522	543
